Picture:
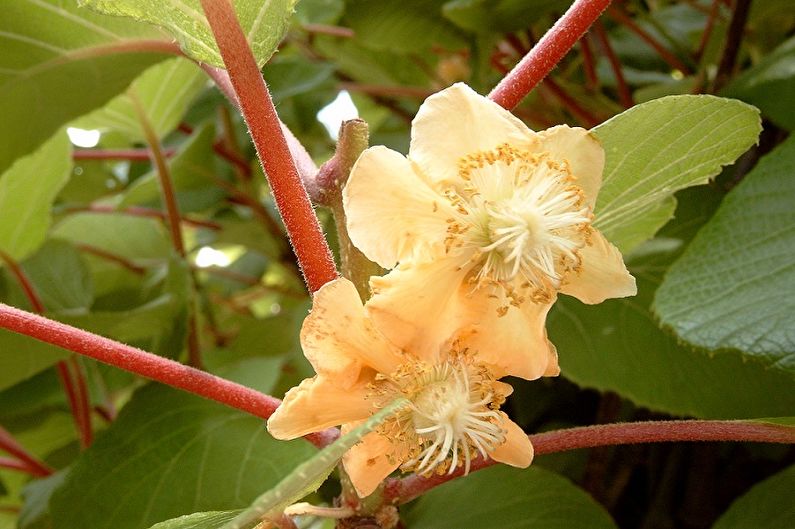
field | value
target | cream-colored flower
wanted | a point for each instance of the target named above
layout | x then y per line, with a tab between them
486	222
454	397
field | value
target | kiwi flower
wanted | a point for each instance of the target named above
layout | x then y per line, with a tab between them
483	224
452	413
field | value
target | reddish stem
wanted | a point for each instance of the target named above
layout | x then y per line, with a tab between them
121	261
72	387
707	33
734	37
147	365
624	94
582	114
324	29
664	53
116	154
137	211
588	63
303	229
406	489
547	53
82	401
31	464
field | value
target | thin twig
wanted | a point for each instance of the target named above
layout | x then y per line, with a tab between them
588	63
664	53
138	211
624	94
32	464
710	25
547	53
734	38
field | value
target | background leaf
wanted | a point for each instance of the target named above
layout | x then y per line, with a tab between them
199	520
49	45
732	288
168	454
22	357
768	505
27	191
502	496
263	22
659	147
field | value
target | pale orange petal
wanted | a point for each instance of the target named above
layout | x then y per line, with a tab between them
458	121
602	274
417	307
513	344
338	339
582	151
367	463
392	214
316	404
517	450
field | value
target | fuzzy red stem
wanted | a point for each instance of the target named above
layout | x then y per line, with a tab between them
71	386
624	93
303	229
31	464
147	365
406	489
547	53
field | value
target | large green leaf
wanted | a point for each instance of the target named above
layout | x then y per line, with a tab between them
732	288
502	496
768	505
661	146
770	85
27	191
198	520
58	62
169	454
164	92
263	22
617	346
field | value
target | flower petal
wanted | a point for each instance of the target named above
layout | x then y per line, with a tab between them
458	121
316	404
367	463
582	151
417	306
517	450
602	274
392	214
338	339
512	344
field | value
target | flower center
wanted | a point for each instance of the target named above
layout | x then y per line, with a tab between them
520	221
452	417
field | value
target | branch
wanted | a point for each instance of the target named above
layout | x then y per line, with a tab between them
406	489
147	365
624	94
28	462
302	225
664	53
547	53
734	38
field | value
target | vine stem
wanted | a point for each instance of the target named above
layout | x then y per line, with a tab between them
406	489
74	384
540	60
25	461
303	228
147	365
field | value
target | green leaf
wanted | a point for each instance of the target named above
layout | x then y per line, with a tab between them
168	454
58	62
661	146
191	173
198	520
264	23
768	505
769	85
35	512
731	289
120	234
60	277
27	191
502	496
164	91
617	346
405	27
22	357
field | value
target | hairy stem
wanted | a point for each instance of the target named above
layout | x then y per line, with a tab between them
147	365
303	228
547	53
406	489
